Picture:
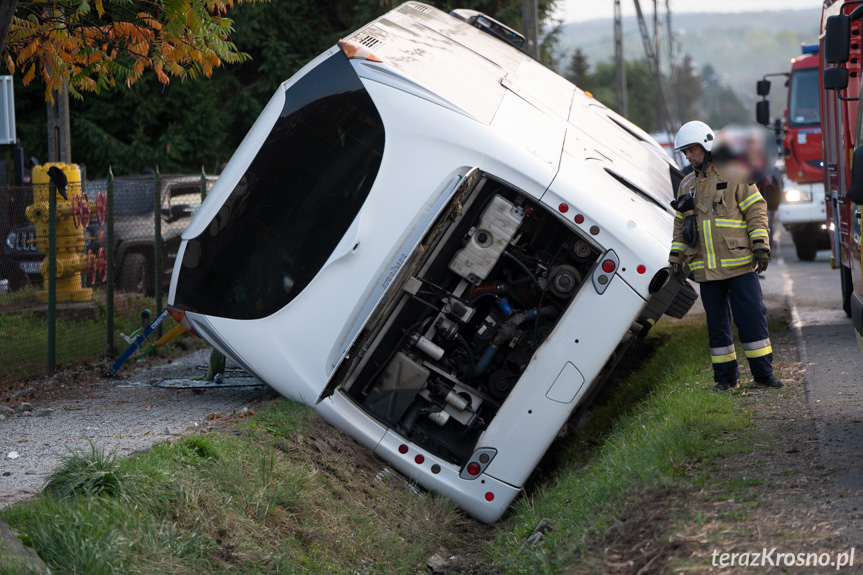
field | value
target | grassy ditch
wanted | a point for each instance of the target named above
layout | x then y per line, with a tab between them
658	431
287	495
282	492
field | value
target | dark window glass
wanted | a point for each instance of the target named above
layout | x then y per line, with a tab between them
294	203
803	102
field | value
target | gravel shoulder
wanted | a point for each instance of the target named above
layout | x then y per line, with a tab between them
143	406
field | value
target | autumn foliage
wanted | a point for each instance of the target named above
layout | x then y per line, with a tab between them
96	44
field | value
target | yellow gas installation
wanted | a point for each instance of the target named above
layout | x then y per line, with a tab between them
73	216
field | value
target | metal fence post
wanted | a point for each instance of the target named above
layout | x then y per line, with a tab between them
82	169
52	275
109	250
203	185
157	250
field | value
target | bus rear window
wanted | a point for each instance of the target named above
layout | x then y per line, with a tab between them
294	203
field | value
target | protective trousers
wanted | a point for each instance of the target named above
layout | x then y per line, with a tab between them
741	297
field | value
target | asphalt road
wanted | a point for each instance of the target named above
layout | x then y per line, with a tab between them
827	348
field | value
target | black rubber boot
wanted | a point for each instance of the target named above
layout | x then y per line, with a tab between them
725	385
769	381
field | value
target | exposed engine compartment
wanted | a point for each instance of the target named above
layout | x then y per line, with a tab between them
483	291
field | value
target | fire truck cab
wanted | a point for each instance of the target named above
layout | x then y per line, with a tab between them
802	210
840	69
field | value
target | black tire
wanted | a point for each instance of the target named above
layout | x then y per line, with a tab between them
136	275
805	246
847	288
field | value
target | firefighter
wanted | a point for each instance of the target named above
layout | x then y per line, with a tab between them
721	235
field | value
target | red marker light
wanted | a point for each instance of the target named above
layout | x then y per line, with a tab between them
563	208
403	449
419	459
641	269
579	219
473	468
489	496
608	266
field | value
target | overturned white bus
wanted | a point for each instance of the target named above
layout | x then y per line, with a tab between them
440	244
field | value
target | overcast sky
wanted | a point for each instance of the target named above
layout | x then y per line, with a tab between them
580	10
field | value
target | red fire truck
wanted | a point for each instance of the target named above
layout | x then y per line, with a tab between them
802	211
841	59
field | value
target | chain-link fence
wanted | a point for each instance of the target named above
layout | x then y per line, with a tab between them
114	243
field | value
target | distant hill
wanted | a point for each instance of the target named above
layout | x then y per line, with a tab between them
740	47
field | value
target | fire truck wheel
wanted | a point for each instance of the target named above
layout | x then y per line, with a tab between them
847	289
805	247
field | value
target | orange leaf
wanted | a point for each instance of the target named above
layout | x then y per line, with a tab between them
163	78
31	73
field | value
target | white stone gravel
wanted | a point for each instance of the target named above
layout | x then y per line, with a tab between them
117	415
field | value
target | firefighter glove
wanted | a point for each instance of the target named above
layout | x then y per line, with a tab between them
762	258
678	272
685	206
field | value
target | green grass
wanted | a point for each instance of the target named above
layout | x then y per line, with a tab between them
290	495
255	503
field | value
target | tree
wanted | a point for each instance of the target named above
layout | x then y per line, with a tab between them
94	46
720	105
639	91
579	70
686	90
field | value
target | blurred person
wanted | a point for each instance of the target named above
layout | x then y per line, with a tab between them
749	153
721	235
746	153
772	187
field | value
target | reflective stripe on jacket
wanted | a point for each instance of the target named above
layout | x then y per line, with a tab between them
732	221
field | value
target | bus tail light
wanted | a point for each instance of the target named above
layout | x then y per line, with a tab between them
477	463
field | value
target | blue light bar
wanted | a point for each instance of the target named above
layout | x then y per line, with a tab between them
809	48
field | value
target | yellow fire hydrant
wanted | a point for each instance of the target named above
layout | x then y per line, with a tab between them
71	260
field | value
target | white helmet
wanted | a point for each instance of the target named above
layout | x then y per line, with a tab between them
694	132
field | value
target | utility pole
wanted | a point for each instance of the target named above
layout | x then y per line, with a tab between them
619	63
658	59
672	71
59	140
530	21
656	33
670	34
653	63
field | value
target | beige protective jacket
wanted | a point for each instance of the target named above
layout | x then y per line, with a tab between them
732	221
